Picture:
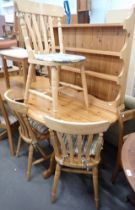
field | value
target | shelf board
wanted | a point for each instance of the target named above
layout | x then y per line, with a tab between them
90	51
89	25
108	77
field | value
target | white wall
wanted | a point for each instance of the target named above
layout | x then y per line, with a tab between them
72	3
98	15
101	7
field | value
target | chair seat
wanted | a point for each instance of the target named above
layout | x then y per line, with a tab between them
40	128
16	52
11	116
60	58
77	164
12	119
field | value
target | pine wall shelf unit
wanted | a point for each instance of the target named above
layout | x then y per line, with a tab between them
107	48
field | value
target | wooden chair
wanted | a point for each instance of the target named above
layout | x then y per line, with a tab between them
30	131
77	149
7	123
124	117
12	50
37	23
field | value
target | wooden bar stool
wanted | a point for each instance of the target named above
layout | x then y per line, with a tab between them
11	48
14	54
37	25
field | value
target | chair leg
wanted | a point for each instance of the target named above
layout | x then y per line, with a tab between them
18	146
47	173
28	83
118	164
84	85
54	84
96	186
117	167
10	141
30	158
55	182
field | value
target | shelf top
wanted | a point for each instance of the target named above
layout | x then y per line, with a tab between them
87	25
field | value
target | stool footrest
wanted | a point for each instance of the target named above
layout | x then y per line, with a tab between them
70	85
42	95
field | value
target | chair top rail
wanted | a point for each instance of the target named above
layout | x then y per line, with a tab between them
14	103
76	127
39	8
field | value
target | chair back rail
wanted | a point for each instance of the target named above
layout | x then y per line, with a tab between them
20	109
37	25
73	141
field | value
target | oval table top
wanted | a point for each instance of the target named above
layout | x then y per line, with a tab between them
128	159
69	108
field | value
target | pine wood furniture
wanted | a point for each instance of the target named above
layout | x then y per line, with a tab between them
128	159
77	149
107	48
8	123
124	117
70	109
15	54
10	51
30	131
37	27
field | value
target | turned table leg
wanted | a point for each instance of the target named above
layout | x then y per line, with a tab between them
5	70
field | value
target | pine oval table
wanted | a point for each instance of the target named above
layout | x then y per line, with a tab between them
69	109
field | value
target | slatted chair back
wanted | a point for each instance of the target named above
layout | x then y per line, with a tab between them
37	23
75	141
20	109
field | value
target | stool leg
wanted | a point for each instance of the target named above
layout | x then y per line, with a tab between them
28	83
25	71
54	86
84	85
34	74
5	70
